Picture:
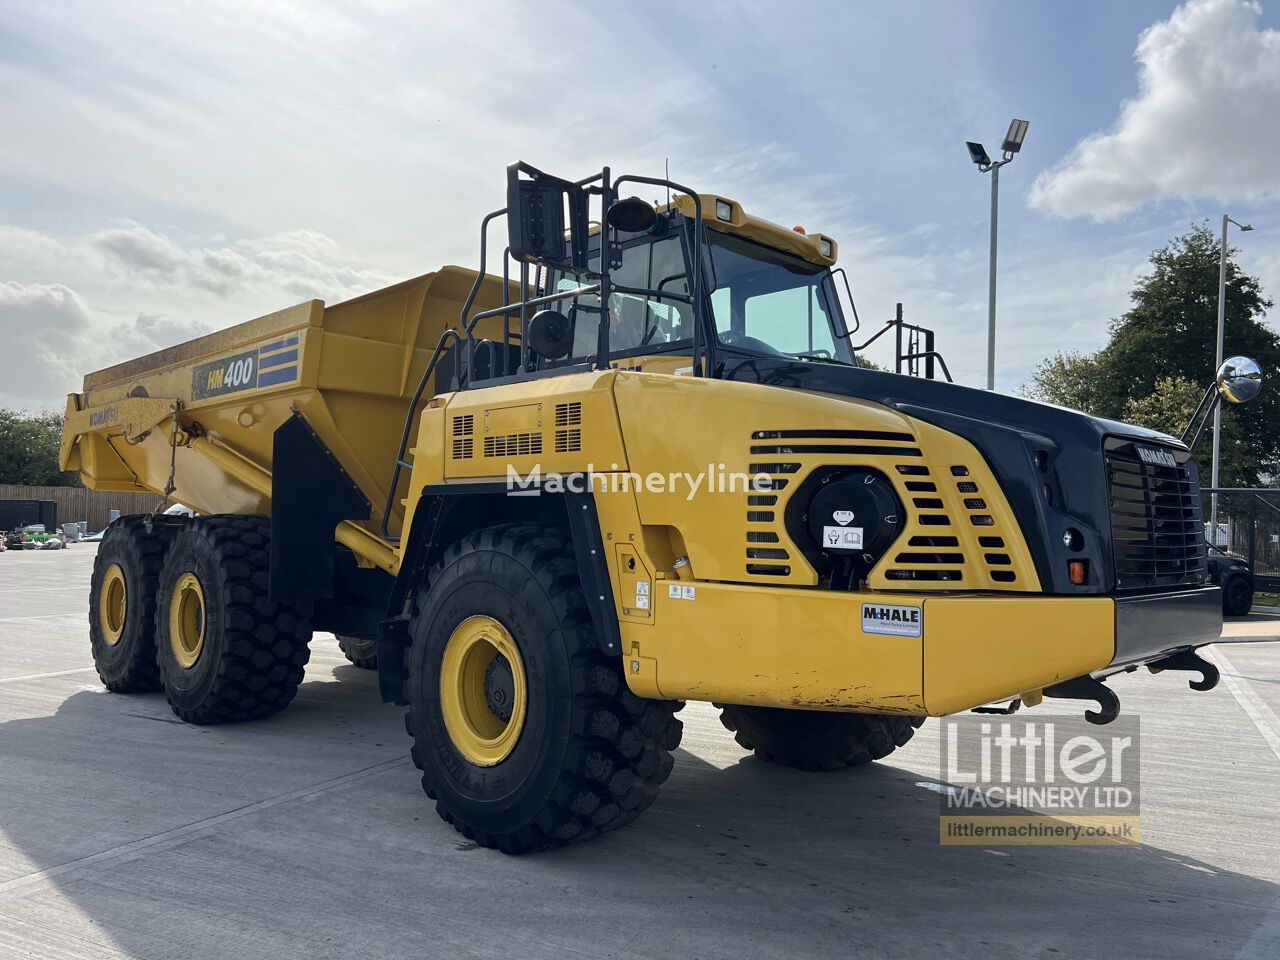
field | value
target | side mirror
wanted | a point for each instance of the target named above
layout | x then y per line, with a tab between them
536	224
1239	379
550	334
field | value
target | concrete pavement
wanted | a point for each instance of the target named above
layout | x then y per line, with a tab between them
124	832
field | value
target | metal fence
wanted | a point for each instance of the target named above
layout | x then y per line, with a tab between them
83	504
1247	526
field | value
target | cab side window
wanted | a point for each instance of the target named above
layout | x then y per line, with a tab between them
637	321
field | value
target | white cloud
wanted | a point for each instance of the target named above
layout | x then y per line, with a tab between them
1205	122
42	327
88	301
185	166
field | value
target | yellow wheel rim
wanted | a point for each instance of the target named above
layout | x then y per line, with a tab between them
483	691
186	620
112	604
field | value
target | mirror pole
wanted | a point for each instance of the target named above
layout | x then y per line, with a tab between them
602	339
1215	405
526	364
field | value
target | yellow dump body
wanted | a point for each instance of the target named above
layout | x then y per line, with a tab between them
209	407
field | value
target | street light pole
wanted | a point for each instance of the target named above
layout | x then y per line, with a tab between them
978	154
1217	362
991	280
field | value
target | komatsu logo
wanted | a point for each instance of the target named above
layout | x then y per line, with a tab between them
896	620
100	418
1159	458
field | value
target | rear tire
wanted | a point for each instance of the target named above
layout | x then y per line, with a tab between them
817	740
1237	595
525	732
226	650
363	653
122	601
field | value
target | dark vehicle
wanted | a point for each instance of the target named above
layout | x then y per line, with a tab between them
1236	580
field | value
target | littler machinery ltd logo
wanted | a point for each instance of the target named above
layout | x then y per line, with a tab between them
1054	780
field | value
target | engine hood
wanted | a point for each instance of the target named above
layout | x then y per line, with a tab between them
1048	459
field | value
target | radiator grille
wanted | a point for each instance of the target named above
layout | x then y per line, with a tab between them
953	535
773	453
1157	538
931	557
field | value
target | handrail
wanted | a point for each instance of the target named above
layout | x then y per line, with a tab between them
400	464
930	355
431	365
537	301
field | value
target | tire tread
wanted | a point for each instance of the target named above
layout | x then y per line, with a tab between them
817	740
142	673
619	749
267	642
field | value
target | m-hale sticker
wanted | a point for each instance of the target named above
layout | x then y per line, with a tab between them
893	619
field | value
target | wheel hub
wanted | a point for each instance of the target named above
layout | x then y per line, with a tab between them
499	687
113	602
187	620
482	691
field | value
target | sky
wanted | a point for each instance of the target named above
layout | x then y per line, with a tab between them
170	168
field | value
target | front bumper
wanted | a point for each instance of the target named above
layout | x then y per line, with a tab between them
815	649
1151	626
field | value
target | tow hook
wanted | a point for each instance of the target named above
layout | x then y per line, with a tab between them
1087	688
1189	660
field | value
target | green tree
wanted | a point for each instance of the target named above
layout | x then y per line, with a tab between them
1168	408
1067	379
1161	353
860	361
29	450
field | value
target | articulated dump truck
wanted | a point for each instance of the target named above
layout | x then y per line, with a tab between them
641	467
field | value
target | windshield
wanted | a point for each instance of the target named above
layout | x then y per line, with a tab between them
771	302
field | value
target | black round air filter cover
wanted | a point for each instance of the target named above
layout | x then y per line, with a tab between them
856	513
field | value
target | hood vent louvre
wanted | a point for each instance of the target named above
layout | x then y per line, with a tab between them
463	443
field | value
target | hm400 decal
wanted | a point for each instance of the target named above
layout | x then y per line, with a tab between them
268	366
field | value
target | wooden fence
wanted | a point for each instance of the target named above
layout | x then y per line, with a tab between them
81	503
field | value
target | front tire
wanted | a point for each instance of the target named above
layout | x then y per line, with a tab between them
226	650
816	740
525	732
122	601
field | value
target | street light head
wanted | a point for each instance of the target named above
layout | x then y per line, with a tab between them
978	153
1246	228
1013	139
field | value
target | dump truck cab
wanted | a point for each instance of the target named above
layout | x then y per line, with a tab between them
642	466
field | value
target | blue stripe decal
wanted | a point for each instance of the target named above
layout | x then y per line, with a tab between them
283	375
289	356
279	345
